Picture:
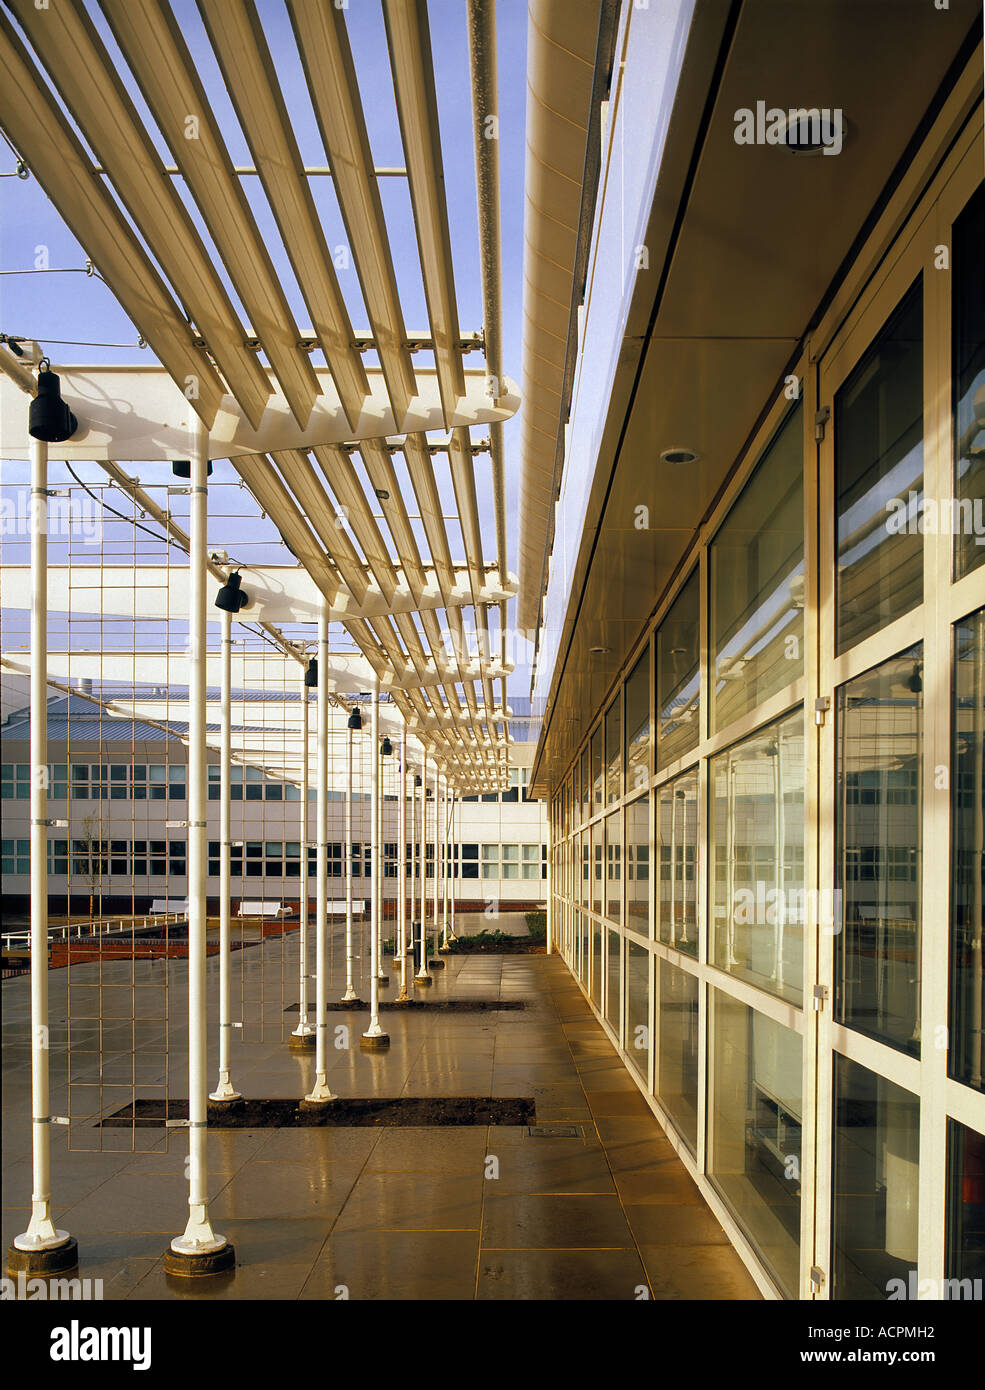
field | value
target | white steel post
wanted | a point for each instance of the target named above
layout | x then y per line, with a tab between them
378	882
456	867
402	863
374	1039
350	992
412	821
225	1090
200	1250
321	1092
303	1037
41	1249
422	978
444	866
437	837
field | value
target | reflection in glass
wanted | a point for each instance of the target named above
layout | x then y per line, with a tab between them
965	1251
678	675
754	1130
584	840
638	866
677	849
878	424
874	1214
637	967
586	784
638	724
598	772
613	753
967	1022
879	740
613	952
596	990
598	866
583	948
613	867
756	582
756	862
968	363
677	1084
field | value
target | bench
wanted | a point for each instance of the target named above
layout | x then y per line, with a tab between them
263	907
168	905
336	907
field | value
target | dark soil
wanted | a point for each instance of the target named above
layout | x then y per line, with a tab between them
291	1114
461	1006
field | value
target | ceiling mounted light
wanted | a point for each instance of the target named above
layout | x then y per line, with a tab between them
599	651
231	598
49	418
355	720
182	468
311	674
680	455
386	748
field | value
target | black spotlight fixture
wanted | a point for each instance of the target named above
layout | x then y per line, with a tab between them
311	674
49	418
231	597
386	748
355	720
417	780
182	468
915	680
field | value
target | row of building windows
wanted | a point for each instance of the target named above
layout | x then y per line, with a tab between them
97	859
169	782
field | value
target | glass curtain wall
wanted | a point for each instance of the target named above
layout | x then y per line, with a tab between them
778	828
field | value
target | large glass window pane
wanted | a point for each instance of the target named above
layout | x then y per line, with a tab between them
968	365
757	858
677	1083
677	850
598	867
965	1255
612	982
638	724
638	866
756	581
613	753
967	1022
596	967
878	424
754	1131
586	785
637	966
613	867
679	675
879	736
598	772
874	1215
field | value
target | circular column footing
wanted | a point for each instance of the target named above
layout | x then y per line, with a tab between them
308	1104
424	980
198	1266
53	1259
304	1042
216	1099
379	1042
444	950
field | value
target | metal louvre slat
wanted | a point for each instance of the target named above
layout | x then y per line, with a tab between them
55	155
307	488
409	42
76	59
247	68
327	60
154	47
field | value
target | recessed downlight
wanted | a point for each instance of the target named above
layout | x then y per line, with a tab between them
679	454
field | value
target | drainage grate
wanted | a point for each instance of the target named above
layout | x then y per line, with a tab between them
424	1111
555	1131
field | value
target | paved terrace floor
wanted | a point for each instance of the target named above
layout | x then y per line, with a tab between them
390	1213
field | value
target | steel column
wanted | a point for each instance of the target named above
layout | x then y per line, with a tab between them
225	1090
320	1091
